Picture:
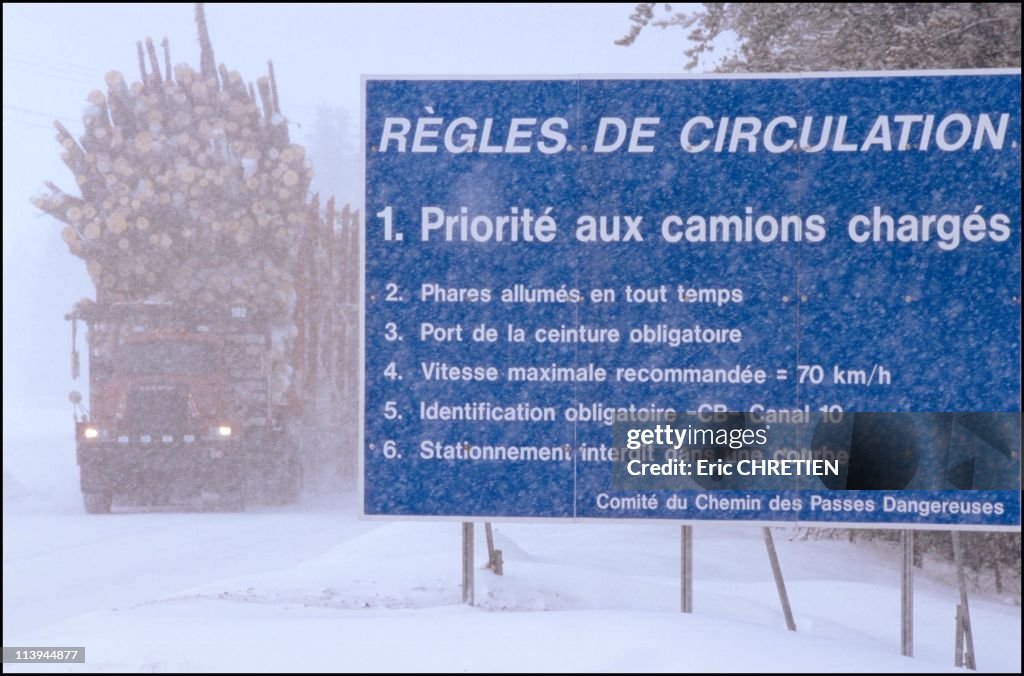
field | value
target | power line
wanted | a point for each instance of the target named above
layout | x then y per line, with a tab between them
40	113
33	60
77	65
36	72
26	123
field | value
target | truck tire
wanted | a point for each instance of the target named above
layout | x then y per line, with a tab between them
226	502
232	501
97	503
287	484
275	483
293	482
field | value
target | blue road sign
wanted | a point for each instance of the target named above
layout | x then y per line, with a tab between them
548	261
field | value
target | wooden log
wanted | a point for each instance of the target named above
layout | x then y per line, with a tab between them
263	84
44	204
93	230
142	63
65	138
61	206
165	43
123	167
207	63
222	70
157	79
155	120
184	74
235	85
96	119
116	223
328	235
273	88
60	197
120	102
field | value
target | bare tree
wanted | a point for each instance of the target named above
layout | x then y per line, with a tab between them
842	36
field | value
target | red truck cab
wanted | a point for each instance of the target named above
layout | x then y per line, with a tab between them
179	413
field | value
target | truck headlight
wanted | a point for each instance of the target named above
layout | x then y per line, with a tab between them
91	433
224	431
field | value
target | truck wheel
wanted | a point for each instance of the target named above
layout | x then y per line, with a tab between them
233	501
282	484
293	482
97	503
224	500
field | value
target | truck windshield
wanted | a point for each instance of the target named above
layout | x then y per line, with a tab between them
169	357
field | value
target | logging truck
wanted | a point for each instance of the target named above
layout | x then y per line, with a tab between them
181	408
221	340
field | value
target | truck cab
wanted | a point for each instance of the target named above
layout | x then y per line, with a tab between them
180	413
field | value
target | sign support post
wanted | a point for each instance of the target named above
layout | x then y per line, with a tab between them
907	596
686	546
468	582
964	633
780	584
494	561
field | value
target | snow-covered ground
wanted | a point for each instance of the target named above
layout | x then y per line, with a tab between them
313	588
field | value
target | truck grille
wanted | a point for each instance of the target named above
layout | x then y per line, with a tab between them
157	409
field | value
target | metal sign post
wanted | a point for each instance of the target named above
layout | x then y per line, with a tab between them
964	634
686	545
494	559
780	584
907	596
468	578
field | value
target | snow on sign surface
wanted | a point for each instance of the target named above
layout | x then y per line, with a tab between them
556	266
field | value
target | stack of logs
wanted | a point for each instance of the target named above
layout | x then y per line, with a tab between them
190	189
191	192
